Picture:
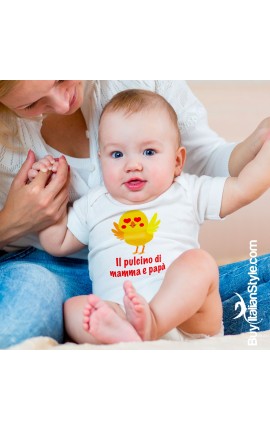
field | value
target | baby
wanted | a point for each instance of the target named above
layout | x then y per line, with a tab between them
149	275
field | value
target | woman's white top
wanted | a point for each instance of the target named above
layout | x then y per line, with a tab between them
207	153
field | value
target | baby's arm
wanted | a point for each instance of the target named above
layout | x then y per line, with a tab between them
251	183
247	150
58	239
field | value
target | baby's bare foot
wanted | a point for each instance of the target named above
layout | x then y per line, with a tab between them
102	322
138	311
88	309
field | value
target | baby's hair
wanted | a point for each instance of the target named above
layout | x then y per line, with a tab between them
135	100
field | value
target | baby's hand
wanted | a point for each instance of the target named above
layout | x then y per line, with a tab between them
43	165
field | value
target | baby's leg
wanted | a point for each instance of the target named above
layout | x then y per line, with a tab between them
91	320
188	297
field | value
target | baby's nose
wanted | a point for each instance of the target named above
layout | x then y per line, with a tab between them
133	165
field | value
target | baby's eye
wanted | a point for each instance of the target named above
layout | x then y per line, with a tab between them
117	154
149	152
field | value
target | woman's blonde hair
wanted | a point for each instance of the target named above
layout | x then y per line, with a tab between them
6	87
6	115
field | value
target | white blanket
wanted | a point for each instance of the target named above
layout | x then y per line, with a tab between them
243	341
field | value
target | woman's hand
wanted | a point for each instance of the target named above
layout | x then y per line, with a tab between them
30	207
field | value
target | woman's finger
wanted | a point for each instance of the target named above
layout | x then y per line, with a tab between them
63	207
22	176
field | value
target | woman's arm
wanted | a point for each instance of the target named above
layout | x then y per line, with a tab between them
32	207
252	182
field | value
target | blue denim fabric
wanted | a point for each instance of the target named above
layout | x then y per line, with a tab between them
34	286
234	278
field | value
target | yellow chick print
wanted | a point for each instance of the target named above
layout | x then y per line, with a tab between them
134	228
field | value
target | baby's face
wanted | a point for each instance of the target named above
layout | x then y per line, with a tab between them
140	154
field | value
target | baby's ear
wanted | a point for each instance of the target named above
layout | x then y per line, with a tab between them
99	153
179	160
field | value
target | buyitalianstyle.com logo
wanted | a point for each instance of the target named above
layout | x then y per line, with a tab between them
250	311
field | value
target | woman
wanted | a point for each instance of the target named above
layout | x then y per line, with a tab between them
61	117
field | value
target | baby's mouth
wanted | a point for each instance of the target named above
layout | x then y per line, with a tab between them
135	184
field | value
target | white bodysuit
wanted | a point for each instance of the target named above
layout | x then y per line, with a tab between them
139	242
